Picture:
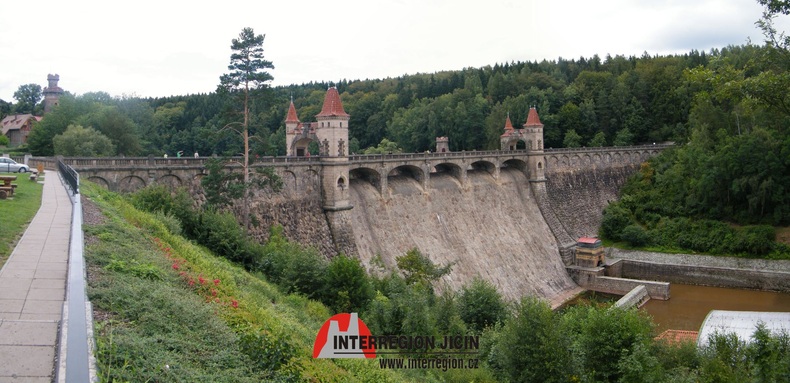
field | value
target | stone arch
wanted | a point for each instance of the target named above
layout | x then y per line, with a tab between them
483	165
311	181
341	183
410	171
517	164
450	168
564	161
575	160
587	160
368	175
299	147
554	161
289	181
170	180
99	181
129	184
596	159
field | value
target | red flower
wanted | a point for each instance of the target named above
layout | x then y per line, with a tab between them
201	280
213	292
234	303
175	266
216	282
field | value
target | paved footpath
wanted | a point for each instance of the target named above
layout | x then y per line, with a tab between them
33	289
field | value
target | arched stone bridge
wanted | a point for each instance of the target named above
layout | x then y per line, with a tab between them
302	174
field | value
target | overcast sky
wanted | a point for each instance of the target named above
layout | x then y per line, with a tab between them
162	48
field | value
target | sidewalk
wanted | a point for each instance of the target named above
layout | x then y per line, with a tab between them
33	289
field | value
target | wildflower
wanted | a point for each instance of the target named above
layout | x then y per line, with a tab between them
213	292
176	266
216	282
234	303
202	280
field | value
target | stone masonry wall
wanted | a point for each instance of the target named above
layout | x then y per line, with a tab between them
705	270
578	197
487	229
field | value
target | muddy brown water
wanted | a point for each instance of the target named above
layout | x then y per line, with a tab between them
688	305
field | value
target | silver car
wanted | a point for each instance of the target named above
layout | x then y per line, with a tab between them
8	165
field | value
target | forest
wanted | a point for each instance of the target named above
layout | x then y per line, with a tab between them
727	110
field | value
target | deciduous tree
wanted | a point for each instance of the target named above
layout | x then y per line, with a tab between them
27	96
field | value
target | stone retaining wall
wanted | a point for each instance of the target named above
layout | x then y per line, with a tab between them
705	270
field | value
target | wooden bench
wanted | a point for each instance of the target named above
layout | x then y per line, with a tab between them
6	192
33	176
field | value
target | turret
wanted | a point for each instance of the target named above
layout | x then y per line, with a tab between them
52	93
332	129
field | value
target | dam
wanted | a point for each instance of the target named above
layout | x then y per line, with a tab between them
490	230
508	216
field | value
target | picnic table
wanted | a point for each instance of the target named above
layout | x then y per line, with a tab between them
7	190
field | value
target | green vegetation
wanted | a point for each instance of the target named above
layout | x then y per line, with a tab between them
171	311
16	213
727	186
77	141
521	342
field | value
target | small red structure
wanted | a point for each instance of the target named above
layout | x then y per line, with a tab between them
589	252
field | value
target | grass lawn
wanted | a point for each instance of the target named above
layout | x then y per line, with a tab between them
17	212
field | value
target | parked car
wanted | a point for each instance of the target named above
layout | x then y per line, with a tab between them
8	165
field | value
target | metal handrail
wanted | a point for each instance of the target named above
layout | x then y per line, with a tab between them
71	177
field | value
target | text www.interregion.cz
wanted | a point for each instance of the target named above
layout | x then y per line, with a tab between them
443	364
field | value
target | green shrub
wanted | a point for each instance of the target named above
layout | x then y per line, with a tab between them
481	305
348	287
635	235
756	239
615	219
531	346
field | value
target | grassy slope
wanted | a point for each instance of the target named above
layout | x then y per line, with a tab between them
16	213
168	310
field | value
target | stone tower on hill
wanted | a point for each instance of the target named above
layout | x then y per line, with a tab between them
52	93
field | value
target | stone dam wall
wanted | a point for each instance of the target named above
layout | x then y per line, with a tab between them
577	197
487	229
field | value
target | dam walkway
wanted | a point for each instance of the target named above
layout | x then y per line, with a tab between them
33	290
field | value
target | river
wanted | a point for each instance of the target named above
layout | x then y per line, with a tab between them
688	305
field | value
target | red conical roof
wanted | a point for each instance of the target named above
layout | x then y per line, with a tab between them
292	117
508	124
333	107
532	118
